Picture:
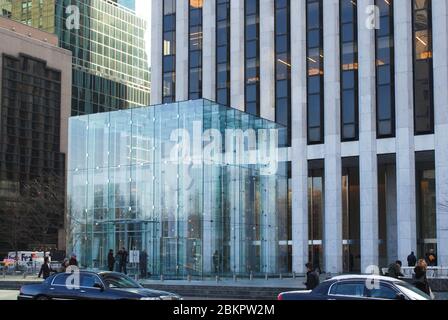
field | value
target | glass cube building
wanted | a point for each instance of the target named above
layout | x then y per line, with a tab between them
198	186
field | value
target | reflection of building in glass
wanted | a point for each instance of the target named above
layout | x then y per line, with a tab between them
130	186
110	63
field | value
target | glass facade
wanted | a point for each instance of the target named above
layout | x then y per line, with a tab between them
315	66
316	205
385	73
349	70
423	67
351	215
179	181
223	52
110	62
283	65
425	174
252	56
195	50
169	51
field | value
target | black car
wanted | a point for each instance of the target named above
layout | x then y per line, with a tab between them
91	286
359	288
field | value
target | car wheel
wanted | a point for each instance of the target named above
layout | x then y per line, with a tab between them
42	298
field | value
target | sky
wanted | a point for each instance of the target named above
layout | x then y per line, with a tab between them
143	9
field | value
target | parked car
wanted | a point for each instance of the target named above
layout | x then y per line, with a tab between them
91	286
355	288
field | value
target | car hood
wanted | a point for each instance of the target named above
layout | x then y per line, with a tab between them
147	293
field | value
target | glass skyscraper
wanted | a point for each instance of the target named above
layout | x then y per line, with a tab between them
110	63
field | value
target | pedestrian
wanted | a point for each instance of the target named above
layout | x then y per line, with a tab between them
111	260
64	265
312	278
123	261
432	258
412	259
144	264
45	269
118	261
73	261
420	278
395	270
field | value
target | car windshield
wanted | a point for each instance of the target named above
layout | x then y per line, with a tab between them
119	281
413	292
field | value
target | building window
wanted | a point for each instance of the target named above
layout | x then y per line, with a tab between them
223	52
423	74
195	50
425	175
385	74
169	51
283	65
315	66
349	70
252	56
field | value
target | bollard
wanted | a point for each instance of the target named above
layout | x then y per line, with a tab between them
251	277
24	275
161	278
189	278
294	275
266	277
281	276
234	278
217	279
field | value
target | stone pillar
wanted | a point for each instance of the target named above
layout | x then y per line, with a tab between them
333	163
156	51
368	164
267	59
299	137
209	51
182	40
404	104
440	30
237	54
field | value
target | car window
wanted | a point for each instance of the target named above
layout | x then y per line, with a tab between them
118	281
88	280
383	292
353	289
60	279
412	292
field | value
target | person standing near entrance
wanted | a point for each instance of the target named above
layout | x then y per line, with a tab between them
412	260
111	260
143	264
123	261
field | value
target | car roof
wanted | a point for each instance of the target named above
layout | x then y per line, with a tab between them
364	277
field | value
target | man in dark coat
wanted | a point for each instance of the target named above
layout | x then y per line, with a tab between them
123	260
312	278
73	261
412	260
395	270
143	264
45	269
111	260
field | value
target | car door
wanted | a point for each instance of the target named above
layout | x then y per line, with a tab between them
88	290
62	289
347	290
383	291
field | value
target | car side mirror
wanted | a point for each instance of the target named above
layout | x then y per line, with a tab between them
99	286
400	296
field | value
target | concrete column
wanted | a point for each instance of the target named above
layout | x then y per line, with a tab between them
404	104
299	137
156	51
333	163
267	59
237	54
182	39
368	164
440	45
391	213
209	51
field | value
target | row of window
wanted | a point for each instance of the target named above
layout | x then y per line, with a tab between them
349	65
